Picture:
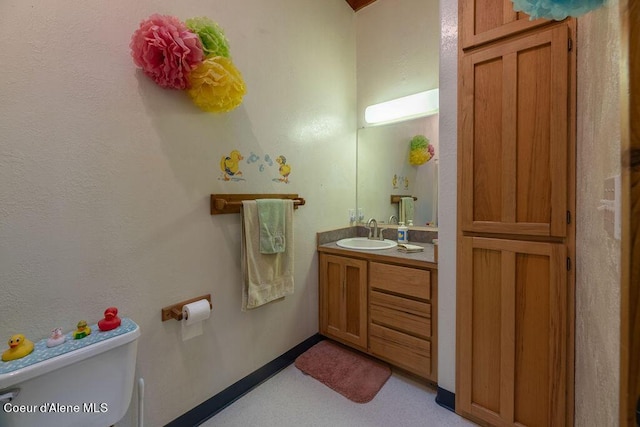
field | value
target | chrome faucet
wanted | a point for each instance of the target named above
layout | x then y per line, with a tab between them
375	233
375	228
393	219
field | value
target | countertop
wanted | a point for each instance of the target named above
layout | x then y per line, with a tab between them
417	259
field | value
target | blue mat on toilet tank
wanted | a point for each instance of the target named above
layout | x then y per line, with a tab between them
41	352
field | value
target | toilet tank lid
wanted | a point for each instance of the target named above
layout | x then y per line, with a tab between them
44	359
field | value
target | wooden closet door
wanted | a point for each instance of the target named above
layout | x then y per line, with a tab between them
512	326
514	137
487	20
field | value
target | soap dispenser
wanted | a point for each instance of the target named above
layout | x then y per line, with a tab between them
403	233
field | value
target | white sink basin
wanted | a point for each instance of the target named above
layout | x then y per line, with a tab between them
366	244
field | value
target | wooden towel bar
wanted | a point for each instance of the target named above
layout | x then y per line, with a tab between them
231	203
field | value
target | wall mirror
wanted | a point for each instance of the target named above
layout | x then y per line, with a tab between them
383	170
397	48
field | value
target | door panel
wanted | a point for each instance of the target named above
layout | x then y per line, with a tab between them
333	283
487	144
486	319
514	136
483	21
512	310
531	339
630	258
533	152
343	299
355	294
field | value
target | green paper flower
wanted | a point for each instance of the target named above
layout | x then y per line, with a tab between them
419	142
214	42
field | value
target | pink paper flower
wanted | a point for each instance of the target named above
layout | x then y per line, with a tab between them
166	50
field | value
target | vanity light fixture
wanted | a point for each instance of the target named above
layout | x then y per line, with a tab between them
421	104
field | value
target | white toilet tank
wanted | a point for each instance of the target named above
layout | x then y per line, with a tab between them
81	383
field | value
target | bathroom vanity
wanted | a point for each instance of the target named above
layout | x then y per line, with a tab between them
382	302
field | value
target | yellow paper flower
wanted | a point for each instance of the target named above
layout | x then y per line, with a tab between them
216	85
419	157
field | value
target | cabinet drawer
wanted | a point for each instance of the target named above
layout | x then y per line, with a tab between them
405	351
400	280
418	308
415	321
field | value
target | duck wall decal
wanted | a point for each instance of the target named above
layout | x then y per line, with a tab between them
284	169
19	347
230	165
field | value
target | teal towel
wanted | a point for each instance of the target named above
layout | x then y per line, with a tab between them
272	226
406	209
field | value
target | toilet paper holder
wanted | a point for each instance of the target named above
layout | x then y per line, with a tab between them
175	311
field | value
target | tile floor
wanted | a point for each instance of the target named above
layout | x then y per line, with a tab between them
291	398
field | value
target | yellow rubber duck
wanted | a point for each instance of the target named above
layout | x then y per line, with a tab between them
230	164
82	331
19	347
284	169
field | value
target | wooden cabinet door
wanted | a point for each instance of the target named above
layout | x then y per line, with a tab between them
513	138
343	299
482	21
512	332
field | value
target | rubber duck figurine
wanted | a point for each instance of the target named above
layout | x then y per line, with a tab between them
110	321
19	347
82	331
56	338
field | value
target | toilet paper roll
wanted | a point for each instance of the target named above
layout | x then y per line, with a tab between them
192	317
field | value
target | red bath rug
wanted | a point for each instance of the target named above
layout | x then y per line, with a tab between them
353	375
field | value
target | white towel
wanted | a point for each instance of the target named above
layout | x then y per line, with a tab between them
265	277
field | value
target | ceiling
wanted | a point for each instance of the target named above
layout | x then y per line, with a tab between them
359	4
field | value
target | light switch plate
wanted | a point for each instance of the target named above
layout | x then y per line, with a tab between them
610	206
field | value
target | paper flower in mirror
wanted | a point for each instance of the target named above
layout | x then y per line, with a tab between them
421	150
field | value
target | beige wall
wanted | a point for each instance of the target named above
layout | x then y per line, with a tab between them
105	179
397	50
447	195
598	253
105	182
